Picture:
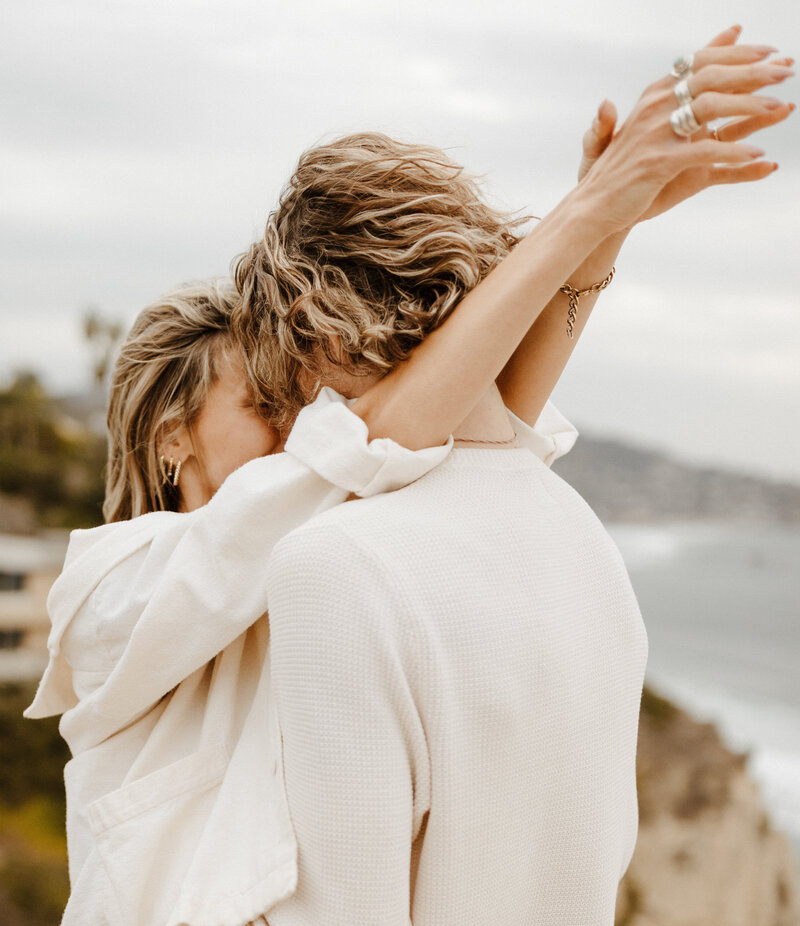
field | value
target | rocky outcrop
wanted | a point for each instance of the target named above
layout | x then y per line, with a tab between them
626	483
706	854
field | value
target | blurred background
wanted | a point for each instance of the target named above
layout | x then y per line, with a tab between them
143	145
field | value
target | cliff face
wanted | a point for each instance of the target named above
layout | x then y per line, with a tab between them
706	854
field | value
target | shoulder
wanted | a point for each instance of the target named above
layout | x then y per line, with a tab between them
337	607
333	543
333	571
352	536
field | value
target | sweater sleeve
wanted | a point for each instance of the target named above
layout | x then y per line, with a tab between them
355	758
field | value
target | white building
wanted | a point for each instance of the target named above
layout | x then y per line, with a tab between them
28	567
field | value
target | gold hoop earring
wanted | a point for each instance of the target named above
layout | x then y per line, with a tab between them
171	471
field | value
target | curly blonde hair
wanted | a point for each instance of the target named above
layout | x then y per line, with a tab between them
160	382
373	243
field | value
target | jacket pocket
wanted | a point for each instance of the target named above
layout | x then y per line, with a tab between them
146	832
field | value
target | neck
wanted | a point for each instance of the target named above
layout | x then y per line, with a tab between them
487	421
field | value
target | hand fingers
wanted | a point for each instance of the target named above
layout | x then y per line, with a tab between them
708	152
728	37
742	172
741	128
709	106
731	54
607	114
597	138
743	78
723	54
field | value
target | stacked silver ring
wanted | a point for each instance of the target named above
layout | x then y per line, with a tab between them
682	67
683	120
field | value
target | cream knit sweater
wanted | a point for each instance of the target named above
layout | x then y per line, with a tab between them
458	668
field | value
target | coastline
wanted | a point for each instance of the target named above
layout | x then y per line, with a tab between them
719	603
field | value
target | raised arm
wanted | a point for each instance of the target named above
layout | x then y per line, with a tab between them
645	169
535	367
531	374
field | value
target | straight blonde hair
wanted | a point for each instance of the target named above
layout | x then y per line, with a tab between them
160	382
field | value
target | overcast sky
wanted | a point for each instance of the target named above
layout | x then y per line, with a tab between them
143	144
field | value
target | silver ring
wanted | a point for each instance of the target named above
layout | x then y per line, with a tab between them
682	67
715	136
682	93
683	121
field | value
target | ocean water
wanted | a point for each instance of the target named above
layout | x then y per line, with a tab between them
721	603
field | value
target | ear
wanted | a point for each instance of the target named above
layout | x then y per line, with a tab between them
176	443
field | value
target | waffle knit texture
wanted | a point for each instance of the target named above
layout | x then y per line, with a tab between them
458	669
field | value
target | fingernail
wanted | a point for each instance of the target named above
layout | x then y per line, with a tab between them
736	28
780	73
764	49
772	104
753	152
791	106
774	168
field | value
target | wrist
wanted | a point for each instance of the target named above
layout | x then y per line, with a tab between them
599	263
574	227
590	205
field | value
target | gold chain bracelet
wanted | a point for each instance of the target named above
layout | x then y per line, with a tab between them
575	294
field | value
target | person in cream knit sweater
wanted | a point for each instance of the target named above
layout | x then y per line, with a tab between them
458	665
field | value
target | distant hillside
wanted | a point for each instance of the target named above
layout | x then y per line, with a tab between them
625	483
620	481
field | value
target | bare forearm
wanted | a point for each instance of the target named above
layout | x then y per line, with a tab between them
423	400
531	374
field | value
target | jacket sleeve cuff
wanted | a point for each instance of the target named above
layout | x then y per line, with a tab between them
550	437
334	442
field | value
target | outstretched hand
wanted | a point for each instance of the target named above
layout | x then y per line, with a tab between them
699	176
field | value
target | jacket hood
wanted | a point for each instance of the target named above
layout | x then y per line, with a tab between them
91	557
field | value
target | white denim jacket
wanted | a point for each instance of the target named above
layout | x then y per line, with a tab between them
176	809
